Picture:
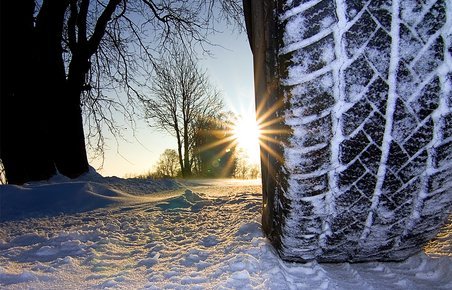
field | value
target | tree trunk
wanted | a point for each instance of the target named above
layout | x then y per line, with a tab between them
24	147
70	151
65	119
179	147
187	167
41	123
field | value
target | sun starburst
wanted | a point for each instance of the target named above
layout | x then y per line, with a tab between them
247	133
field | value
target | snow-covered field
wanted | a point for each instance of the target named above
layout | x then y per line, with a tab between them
98	232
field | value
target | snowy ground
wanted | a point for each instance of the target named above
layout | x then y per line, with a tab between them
130	234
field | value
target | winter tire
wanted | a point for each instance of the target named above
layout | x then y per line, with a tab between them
356	98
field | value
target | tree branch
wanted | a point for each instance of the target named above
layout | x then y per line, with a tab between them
101	25
71	24
81	21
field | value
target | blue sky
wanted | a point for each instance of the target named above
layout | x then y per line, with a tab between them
230	69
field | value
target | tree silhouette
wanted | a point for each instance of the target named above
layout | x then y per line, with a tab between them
24	113
214	149
181	95
168	164
85	54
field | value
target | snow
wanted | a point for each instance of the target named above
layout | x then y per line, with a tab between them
173	235
389	117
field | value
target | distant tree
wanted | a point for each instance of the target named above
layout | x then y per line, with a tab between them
181	95
241	170
168	164
214	149
254	171
85	55
245	169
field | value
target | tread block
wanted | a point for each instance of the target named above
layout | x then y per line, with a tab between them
351	174
313	186
378	51
397	156
404	122
420	138
348	198
367	184
430	59
374	127
310	99
407	81
414	168
378	94
315	132
315	56
349	149
406	193
311	21
443	155
313	161
380	11
359	33
355	116
440	180
357	77
391	183
409	44
446	126
432	21
428	100
371	158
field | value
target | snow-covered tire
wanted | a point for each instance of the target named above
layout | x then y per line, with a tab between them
365	143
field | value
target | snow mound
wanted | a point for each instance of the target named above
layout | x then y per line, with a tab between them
60	194
69	197
8	278
188	201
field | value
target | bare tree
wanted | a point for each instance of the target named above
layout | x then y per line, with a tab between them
181	94
245	168
89	60
241	169
255	170
137	34
168	164
214	146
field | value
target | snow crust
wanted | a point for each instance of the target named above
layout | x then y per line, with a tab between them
63	195
192	237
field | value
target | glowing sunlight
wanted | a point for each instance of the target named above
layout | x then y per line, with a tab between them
247	133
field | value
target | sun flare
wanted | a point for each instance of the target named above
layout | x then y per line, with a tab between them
247	133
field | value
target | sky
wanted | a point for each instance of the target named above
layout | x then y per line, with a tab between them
230	69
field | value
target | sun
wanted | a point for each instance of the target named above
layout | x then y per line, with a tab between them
247	133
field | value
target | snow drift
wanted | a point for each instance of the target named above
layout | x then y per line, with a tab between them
195	237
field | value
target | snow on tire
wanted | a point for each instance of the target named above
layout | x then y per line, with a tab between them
367	89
